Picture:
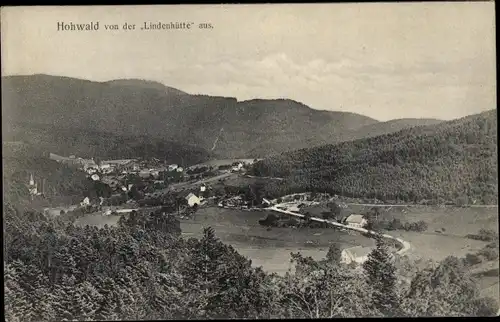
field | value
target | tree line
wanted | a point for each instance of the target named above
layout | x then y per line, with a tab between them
144	269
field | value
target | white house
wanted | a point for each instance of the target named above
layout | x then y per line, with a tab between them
95	177
85	202
203	188
356	254
172	167
144	174
192	199
90	170
32	186
179	169
356	221
106	167
237	167
265	201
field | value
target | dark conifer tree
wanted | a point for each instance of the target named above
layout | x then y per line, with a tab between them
381	277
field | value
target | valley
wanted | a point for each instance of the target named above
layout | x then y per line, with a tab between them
250	167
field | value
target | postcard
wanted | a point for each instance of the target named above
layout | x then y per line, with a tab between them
249	161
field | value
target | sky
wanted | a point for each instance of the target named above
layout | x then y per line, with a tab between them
382	60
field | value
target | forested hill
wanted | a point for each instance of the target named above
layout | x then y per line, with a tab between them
222	125
59	183
453	161
103	145
382	128
143	108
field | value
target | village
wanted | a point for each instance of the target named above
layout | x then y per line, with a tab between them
146	186
134	184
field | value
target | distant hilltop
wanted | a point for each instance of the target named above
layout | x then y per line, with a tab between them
133	107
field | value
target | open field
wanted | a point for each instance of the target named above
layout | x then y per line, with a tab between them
233	179
456	220
98	220
236	180
267	248
271	248
457	223
217	163
437	247
228	179
488	276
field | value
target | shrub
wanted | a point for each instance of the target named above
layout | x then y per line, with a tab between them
484	235
418	226
271	220
492	245
421	226
327	215
488	253
394	224
472	259
488	234
485	306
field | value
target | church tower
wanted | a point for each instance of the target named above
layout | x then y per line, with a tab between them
32	186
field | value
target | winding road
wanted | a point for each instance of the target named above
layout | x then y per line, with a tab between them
405	245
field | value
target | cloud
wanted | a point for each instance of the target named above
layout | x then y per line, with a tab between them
346	84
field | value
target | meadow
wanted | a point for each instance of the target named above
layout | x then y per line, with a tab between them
267	248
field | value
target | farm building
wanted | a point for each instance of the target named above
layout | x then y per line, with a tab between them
191	198
172	167
85	202
356	221
356	254
266	202
237	166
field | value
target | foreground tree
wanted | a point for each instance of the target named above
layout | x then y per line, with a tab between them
323	290
220	283
334	254
381	277
447	290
